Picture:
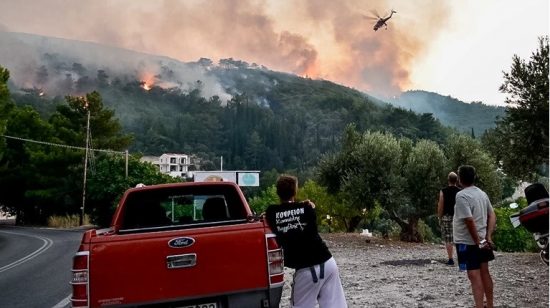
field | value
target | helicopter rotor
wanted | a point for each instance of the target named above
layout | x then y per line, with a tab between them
371	17
375	13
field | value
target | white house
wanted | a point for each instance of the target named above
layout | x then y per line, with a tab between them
176	165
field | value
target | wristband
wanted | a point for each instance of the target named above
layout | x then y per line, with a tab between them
482	243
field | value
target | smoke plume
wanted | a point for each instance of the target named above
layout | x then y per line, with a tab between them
321	39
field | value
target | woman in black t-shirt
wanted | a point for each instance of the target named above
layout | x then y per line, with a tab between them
316	279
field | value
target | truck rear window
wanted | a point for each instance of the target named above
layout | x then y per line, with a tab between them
181	206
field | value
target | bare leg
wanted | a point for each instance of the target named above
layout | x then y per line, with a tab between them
487	283
477	287
449	247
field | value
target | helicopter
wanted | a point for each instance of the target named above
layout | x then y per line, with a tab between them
380	21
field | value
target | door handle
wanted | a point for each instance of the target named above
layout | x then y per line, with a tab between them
179	261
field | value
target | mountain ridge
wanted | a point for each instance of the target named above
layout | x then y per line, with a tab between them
451	111
224	84
255	117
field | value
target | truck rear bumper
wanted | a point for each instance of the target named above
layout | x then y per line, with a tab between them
257	298
263	299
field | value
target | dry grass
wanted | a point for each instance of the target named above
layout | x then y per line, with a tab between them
67	221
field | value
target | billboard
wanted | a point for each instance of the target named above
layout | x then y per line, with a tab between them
248	178
242	178
215	176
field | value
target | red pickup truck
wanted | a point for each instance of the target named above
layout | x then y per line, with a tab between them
191	245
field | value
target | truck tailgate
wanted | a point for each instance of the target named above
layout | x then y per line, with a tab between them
144	268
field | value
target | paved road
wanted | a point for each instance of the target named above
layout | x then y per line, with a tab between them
35	266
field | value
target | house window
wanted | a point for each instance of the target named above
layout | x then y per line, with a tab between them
172	160
173	168
183	161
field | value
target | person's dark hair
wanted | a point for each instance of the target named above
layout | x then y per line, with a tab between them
467	175
452	178
286	187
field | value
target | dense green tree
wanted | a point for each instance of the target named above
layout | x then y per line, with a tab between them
40	179
5	106
102	78
403	178
520	140
264	199
22	188
70	124
332	214
463	150
18	168
424	171
254	151
107	182
366	172
41	76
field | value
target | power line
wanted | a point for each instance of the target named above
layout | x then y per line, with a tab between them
61	145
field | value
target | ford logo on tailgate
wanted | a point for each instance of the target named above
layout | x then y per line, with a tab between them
181	242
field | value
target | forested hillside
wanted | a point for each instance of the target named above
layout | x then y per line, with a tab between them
286	126
452	112
254	117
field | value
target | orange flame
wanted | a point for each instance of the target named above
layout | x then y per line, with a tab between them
310	72
147	80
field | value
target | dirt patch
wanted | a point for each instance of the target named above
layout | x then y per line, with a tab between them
395	274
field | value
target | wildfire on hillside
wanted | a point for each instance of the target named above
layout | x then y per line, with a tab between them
145	86
147	81
310	71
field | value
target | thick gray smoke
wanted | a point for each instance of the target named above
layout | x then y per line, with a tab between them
319	38
56	65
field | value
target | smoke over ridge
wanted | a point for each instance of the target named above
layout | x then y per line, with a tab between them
321	39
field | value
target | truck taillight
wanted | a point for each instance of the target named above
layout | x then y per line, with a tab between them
275	260
80	281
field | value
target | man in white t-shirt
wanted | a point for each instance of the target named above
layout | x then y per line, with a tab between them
473	224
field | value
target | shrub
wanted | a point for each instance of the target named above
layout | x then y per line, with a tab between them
510	239
267	197
432	221
426	232
383	227
67	221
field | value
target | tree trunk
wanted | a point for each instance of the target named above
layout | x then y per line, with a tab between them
409	228
18	217
353	223
410	232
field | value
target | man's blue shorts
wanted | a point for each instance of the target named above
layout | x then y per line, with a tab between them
473	256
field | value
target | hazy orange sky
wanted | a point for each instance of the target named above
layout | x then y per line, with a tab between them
457	48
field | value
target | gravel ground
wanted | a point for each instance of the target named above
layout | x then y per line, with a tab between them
386	273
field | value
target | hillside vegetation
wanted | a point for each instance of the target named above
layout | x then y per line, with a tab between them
256	118
464	117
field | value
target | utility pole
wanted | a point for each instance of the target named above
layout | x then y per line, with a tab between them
85	162
126	169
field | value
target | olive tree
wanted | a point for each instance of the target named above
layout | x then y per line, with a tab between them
365	173
424	171
463	150
520	140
